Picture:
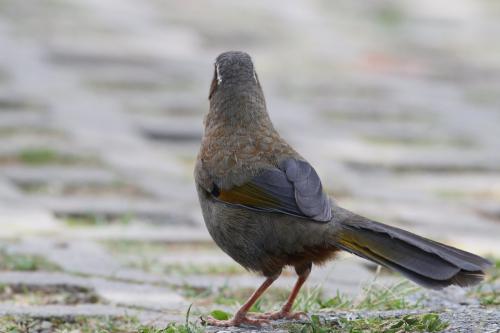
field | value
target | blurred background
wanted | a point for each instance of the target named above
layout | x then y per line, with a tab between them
396	104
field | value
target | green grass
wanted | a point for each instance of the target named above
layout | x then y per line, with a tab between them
46	156
411	323
126	247
152	265
39	156
488	297
95	220
11	324
173	328
115	188
187	327
80	324
234	297
373	297
23	294
488	293
23	262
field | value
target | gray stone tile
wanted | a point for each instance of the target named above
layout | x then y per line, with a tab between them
44	174
398	113
113	292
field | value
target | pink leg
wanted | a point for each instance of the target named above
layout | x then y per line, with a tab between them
241	316
286	310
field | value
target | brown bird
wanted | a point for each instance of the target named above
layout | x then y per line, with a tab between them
264	205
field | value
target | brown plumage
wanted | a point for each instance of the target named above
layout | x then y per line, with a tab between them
264	204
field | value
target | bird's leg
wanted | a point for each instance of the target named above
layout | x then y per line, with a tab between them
240	317
286	310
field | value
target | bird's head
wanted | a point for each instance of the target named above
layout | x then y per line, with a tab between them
234	74
236	97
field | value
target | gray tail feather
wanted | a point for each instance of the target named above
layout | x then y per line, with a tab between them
426	262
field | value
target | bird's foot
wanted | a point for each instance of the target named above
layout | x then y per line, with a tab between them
280	315
236	321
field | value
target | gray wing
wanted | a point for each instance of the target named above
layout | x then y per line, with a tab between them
293	188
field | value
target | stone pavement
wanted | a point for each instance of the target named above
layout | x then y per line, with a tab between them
397	104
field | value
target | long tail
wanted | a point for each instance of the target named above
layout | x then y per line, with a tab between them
426	262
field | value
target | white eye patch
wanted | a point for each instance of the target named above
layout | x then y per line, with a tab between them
219	77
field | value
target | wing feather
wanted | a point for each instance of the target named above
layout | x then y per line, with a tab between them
294	188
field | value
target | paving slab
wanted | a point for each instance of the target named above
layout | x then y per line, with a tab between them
17	219
69	313
118	293
398	113
46	174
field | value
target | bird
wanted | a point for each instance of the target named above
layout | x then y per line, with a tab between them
265	206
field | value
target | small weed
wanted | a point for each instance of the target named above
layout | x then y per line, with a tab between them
220	315
374	297
387	298
412	323
23	262
339	301
488	293
39	156
187	327
125	324
173	328
489	298
37	295
115	188
417	323
191	292
310	299
94	220
152	248
46	156
153	265
10	324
